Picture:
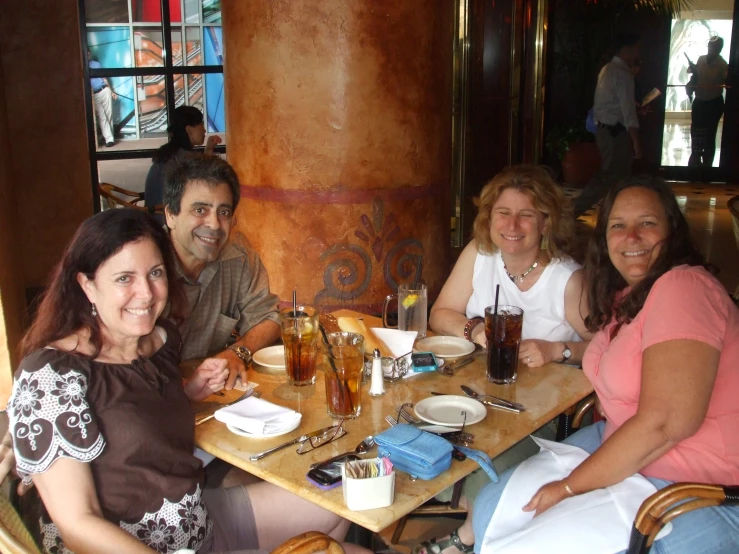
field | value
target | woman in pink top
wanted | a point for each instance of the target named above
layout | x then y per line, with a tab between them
664	363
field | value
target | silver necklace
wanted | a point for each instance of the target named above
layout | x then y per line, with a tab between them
519	278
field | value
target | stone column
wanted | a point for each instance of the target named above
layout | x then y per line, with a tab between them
339	127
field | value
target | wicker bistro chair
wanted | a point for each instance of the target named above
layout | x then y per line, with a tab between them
660	508
308	543
14	536
115	196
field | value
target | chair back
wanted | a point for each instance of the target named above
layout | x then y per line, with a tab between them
308	543
114	196
14	537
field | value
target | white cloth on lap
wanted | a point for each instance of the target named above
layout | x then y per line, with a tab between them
257	416
598	522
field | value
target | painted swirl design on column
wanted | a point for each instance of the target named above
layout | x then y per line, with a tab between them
401	262
346	276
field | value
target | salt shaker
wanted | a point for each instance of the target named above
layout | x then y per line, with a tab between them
377	387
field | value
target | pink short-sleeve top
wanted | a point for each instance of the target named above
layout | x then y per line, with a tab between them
687	302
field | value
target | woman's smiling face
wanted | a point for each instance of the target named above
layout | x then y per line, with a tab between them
637	227
516	226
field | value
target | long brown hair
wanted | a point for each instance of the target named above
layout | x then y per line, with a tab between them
603	279
536	183
64	308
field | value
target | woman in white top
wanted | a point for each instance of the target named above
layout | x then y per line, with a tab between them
523	233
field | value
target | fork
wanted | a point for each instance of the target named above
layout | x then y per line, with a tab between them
405	414
247	394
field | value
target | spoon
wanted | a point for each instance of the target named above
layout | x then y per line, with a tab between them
361	448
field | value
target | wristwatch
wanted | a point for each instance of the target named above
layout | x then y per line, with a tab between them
242	352
470	326
566	353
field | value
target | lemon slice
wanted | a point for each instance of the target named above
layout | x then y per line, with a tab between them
352	385
410	300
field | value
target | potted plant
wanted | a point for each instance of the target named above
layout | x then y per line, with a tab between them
576	151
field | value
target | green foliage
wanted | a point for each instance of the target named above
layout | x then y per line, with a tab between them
561	137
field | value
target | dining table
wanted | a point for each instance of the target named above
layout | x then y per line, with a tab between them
545	392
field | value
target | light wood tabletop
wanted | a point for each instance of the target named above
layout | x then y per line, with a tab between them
545	392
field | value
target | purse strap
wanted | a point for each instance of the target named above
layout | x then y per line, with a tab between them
482	459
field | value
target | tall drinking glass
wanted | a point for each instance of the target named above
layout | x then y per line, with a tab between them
343	374
412	308
300	335
503	333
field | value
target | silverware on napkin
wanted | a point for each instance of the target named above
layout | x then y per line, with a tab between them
247	394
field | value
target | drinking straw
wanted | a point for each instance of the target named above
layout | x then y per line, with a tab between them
495	310
419	266
295	308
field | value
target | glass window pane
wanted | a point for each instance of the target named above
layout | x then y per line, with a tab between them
215	102
110	46
213	39
151	96
146	11
192	11
212	11
106	11
177	47
150	11
147	44
189	90
113	111
192	45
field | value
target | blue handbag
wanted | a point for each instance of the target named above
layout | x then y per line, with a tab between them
418	453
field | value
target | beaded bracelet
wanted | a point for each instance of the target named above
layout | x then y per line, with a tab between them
470	325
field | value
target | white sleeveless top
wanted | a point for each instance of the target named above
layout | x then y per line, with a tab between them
543	304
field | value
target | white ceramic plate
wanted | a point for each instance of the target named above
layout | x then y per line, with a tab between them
445	347
243	433
272	356
447	410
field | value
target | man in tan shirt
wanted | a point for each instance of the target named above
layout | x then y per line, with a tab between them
711	73
230	309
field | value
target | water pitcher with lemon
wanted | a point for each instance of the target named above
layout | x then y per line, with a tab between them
412	308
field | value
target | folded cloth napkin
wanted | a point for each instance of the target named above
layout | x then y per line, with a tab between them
257	416
399	343
598	522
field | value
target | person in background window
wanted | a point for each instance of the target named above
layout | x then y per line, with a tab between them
186	131
103	96
708	107
617	133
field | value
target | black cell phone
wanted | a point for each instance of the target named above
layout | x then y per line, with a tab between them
328	476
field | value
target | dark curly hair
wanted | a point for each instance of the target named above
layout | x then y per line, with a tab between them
603	279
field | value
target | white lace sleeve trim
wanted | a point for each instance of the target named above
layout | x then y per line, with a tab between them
47	410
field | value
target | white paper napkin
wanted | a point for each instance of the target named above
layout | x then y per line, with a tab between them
598	522
399	343
257	416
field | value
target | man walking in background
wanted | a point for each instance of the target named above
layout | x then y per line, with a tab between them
102	96
617	133
711	72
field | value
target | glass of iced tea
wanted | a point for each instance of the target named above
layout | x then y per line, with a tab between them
503	333
300	335
343	374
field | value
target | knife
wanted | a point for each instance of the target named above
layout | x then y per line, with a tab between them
301	439
456	364
494	401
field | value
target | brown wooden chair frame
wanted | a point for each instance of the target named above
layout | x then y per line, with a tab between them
116	196
660	508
